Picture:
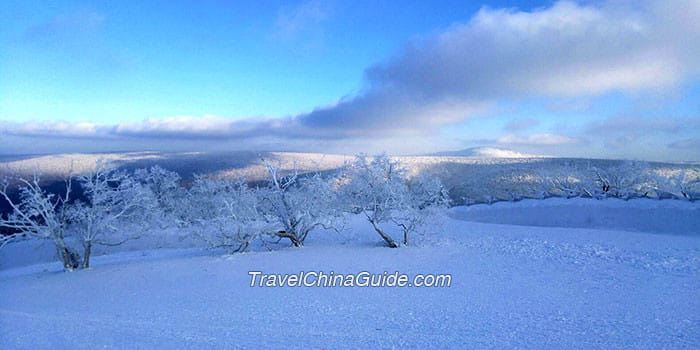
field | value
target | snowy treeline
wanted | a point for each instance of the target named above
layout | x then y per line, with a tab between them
106	207
224	213
630	179
623	180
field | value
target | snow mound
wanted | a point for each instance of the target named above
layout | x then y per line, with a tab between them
643	215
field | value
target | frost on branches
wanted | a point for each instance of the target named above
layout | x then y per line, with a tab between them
110	198
232	215
226	214
40	215
298	204
378	189
680	184
110	207
167	194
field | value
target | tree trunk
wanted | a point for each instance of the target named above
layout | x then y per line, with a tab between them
86	255
243	247
68	257
405	237
292	237
389	241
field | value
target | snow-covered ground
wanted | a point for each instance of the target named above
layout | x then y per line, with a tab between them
562	281
642	215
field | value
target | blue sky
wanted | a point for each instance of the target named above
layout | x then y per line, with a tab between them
99	62
588	79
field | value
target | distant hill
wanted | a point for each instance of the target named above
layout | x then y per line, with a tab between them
475	174
485	152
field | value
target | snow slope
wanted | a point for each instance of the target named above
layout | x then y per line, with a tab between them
645	215
512	287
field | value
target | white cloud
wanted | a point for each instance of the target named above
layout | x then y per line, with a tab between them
566	50
205	127
54	128
537	139
187	126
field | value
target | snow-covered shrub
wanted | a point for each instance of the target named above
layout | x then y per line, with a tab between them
168	194
536	186
111	198
566	180
298	204
515	183
227	214
379	190
40	214
680	184
426	197
630	179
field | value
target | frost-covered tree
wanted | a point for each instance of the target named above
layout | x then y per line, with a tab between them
426	196
111	197
227	213
378	189
680	184
168	194
40	214
629	179
626	180
203	200
298	204
566	181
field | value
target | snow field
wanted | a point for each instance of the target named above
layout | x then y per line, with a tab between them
513	286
